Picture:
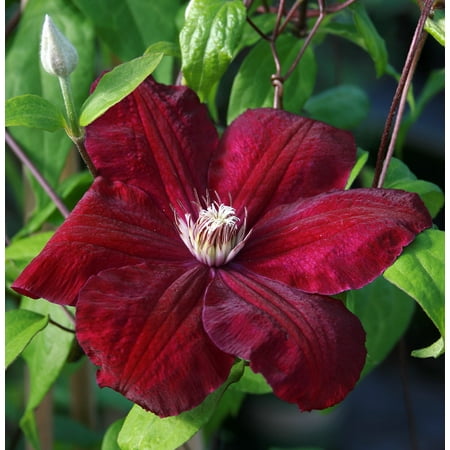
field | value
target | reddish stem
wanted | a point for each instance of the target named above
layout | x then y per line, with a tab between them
385	150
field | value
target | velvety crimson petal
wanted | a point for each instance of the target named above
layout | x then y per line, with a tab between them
158	138
335	241
142	326
268	157
309	348
113	225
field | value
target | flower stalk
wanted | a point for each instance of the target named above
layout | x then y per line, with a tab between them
60	58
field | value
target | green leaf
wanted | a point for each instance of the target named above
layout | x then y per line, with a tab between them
400	177
432	351
112	434
343	106
434	84
142	23
209	40
32	111
252	87
143	429
361	158
228	406
117	84
436	26
373	42
419	271
45	356
385	313
20	327
264	22
252	383
164	47
20	252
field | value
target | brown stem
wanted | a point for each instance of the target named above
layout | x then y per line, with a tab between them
276	30
307	40
291	13
399	115
417	42
256	28
37	175
313	12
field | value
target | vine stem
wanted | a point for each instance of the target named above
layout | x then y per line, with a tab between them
386	150
308	39
73	130
37	174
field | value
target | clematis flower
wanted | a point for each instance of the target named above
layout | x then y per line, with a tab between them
189	251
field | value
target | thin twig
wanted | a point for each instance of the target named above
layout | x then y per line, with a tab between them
37	175
405	78
313	12
291	13
256	28
307	40
400	111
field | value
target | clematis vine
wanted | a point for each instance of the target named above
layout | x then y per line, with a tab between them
190	251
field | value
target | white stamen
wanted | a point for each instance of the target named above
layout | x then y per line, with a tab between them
214	238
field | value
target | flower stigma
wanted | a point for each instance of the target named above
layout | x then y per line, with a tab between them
215	237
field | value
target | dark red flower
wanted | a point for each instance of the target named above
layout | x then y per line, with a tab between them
189	251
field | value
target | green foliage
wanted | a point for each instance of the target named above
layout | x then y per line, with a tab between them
45	356
419	271
372	41
145	22
342	106
436	26
252	383
400	177
20	252
252	87
117	84
32	111
112	434
208	41
20	327
144	429
361	158
385	313
434	84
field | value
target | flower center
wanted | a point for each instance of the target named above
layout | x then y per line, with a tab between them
214	238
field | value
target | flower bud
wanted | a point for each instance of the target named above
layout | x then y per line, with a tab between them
58	56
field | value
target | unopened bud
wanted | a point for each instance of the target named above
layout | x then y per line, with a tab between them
58	56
